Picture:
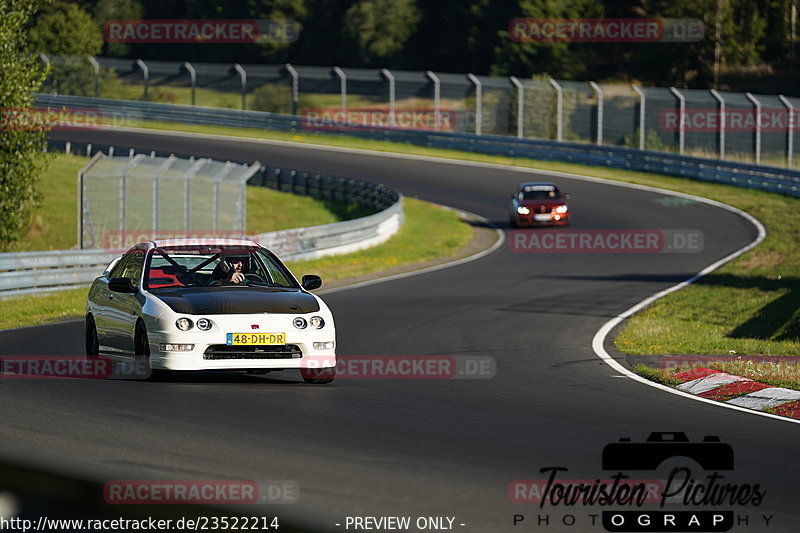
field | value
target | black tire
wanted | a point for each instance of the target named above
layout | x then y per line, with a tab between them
318	375
92	342
141	347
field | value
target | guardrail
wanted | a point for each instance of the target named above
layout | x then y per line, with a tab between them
37	272
772	179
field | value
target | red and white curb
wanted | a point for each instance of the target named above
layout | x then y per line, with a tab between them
742	392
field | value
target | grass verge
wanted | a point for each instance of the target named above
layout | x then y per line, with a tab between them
429	232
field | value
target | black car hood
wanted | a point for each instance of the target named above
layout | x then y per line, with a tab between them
236	300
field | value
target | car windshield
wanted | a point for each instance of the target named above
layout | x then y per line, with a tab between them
539	193
212	266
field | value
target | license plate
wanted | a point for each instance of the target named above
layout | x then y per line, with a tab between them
542	218
250	339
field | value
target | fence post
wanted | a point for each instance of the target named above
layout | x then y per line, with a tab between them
192	78
681	118
390	77
145	75
343	88
243	78
559	109
520	106
437	93
295	85
478	104
757	105
789	130
642	102
721	101
96	68
599	92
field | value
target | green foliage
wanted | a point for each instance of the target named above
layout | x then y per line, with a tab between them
562	59
652	141
65	29
67	34
272	98
117	9
380	28
21	157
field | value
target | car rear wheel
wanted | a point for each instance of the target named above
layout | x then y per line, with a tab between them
318	375
92	343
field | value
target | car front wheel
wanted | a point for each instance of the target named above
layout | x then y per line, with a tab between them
141	346
92	343
318	375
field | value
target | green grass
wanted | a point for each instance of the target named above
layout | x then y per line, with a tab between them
751	306
663	376
429	232
42	309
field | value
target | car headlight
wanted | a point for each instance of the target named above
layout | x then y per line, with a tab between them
522	210
299	323
184	324
561	209
317	322
204	324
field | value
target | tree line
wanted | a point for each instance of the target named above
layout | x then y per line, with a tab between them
742	38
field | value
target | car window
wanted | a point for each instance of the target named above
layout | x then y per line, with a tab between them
203	266
133	267
276	275
539	194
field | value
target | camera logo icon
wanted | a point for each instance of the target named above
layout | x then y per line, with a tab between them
710	454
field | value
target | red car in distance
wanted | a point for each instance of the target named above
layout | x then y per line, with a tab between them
538	204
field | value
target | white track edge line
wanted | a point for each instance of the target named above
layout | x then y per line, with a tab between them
602	333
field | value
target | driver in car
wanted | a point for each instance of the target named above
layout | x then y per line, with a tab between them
231	270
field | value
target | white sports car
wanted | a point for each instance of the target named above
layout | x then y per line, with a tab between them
213	304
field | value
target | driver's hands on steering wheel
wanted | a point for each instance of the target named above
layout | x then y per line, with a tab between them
237	277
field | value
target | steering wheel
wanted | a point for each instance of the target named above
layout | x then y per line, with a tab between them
254	277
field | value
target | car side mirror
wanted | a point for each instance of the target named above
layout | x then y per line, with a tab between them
121	285
311	282
567	196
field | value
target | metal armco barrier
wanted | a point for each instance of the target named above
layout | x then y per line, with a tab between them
766	178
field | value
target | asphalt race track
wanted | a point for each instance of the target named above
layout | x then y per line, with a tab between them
436	447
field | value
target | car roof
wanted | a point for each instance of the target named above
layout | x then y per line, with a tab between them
203	242
537	183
